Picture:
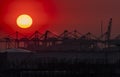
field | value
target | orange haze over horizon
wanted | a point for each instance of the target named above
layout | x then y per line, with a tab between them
41	11
59	15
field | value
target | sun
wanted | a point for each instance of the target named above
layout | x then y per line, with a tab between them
24	21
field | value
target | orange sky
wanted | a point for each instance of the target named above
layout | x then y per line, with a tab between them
83	15
41	11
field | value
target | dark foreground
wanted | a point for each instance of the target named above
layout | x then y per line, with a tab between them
65	70
82	64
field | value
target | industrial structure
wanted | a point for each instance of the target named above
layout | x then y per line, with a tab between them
68	54
66	41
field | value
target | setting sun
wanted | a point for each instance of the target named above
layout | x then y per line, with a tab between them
24	21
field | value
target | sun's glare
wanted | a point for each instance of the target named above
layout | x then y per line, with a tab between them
24	21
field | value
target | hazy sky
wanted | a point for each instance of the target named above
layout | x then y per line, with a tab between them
86	15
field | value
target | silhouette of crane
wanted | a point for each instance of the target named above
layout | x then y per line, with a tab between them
106	37
108	33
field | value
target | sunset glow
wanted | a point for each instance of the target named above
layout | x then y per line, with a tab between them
24	21
41	13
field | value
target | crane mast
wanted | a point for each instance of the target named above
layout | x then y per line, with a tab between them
109	31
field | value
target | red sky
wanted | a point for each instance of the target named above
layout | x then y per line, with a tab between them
41	11
86	15
83	15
